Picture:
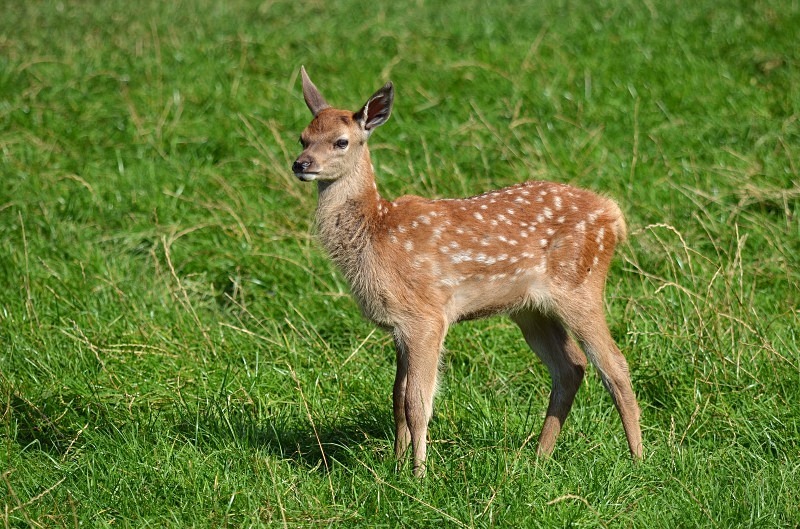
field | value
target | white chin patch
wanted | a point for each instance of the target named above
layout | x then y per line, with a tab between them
306	177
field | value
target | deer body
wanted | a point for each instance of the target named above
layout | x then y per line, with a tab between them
537	251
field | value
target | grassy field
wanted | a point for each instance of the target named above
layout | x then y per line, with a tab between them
176	350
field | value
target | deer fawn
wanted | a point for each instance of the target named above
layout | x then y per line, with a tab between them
538	252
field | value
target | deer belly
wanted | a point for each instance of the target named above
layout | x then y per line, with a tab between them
489	294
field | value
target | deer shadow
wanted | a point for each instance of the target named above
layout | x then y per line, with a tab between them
291	436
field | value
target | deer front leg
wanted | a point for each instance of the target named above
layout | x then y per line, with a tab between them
402	434
422	347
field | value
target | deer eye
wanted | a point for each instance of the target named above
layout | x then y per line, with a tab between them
341	144
302	142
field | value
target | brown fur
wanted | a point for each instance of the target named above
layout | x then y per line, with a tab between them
537	251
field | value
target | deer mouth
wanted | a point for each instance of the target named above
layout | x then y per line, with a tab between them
306	177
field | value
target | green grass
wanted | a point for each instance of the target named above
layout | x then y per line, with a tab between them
177	350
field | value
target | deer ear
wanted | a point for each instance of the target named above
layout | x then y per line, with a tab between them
377	109
314	100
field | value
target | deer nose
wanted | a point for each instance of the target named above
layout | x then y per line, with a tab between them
300	167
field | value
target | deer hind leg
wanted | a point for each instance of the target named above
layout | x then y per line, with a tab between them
591	330
566	363
421	344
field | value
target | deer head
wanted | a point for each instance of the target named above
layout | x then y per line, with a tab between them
335	140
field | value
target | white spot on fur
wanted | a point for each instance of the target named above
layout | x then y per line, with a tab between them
600	234
461	257
452	281
485	259
408	245
478	216
593	216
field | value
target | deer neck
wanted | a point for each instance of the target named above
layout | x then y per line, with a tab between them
348	212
